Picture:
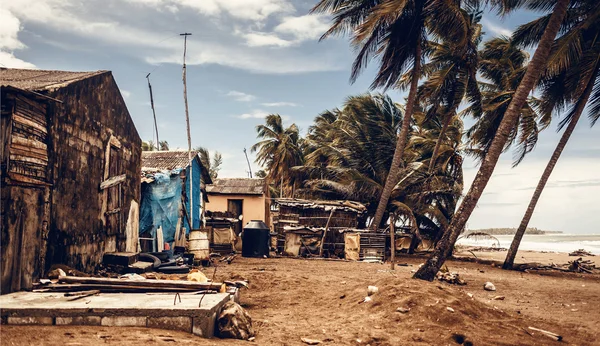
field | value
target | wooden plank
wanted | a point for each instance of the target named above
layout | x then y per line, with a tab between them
16	177
29	143
23	120
113	181
144	283
28	159
19	151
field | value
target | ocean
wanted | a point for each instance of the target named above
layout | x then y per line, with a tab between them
546	242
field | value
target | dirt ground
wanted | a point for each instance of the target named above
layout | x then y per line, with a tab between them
290	299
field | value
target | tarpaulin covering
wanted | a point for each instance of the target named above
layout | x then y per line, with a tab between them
160	204
161	200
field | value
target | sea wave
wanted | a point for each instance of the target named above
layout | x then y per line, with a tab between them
549	243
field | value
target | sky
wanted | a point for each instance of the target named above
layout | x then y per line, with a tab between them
250	58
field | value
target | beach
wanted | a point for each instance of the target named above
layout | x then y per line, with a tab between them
290	299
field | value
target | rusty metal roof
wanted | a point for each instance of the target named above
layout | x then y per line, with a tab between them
41	79
237	186
165	160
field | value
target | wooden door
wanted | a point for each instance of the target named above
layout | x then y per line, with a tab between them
114	207
235	206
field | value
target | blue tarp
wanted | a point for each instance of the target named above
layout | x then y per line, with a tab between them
161	200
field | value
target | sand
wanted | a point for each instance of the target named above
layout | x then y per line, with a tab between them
546	258
290	299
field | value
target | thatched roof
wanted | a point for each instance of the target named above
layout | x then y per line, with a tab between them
41	79
326	205
237	186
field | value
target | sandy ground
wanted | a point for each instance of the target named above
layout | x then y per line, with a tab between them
290	299
525	256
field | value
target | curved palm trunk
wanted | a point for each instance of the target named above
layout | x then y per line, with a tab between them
436	150
392	177
514	246
534	70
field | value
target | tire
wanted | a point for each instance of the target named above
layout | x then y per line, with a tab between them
146	257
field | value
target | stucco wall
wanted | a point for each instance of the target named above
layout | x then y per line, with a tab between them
253	207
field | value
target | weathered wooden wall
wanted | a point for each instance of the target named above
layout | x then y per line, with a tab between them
24	200
92	119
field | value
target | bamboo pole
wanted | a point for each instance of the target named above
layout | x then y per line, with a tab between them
325	232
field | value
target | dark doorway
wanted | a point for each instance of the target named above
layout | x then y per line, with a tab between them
235	206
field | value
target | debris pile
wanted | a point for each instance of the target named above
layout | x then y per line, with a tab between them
577	266
580	253
450	277
234	322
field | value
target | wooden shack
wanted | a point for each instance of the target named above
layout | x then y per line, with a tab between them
335	216
70	172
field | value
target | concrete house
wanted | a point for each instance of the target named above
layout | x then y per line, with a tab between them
166	179
70	172
240	196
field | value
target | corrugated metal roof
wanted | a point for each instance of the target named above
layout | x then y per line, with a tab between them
327	205
165	160
41	79
237	186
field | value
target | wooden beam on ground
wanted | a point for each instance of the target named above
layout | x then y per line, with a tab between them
144	283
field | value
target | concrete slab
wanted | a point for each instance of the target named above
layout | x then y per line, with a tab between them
115	309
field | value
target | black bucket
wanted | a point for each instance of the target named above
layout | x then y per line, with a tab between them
255	239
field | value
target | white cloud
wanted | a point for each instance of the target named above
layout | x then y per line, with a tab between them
302	28
279	104
256	10
255	114
261	39
495	28
240	96
139	29
126	94
10	26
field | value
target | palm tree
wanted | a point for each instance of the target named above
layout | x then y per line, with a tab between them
534	70
503	64
350	150
213	166
451	76
571	78
148	145
394	32
163	145
278	151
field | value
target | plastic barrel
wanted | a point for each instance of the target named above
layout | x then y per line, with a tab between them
198	244
256	239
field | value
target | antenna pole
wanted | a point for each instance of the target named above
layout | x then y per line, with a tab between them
249	168
153	111
187	119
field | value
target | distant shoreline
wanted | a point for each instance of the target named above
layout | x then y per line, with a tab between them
509	231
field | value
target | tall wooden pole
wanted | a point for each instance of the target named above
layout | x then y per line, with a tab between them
153	112
393	239
187	120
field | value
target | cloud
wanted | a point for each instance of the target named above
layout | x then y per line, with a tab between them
495	28
10	26
302	28
255	114
261	39
125	93
240	96
228	33
279	104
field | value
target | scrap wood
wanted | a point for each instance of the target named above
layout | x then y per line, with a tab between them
81	295
548	334
581	252
107	288
144	283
